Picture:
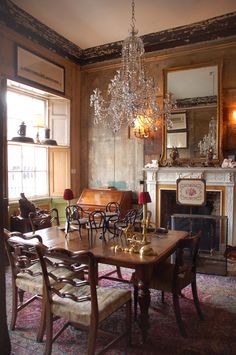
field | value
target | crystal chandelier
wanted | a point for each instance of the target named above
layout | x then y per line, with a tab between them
132	94
208	143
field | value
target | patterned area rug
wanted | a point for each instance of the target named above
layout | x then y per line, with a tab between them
216	335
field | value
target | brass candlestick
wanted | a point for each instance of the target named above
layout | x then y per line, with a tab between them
145	247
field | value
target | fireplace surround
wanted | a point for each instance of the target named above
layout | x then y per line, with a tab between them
220	186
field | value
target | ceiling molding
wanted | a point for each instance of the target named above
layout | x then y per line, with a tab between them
20	21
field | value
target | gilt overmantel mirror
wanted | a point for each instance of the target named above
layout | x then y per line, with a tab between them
196	116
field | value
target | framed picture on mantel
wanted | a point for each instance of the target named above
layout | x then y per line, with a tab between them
36	69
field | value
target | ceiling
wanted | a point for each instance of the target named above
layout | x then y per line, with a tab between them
90	23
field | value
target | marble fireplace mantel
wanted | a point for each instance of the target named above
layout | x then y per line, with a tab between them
223	179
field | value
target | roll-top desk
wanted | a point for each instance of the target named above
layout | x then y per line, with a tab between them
97	199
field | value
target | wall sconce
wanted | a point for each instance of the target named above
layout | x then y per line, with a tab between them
234	115
232	120
143	127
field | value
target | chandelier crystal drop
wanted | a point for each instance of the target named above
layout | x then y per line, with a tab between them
132	96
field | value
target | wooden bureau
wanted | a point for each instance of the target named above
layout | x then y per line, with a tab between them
97	199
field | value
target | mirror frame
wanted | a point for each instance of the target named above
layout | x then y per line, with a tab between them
166	161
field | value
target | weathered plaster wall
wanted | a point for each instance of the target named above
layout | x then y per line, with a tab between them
114	160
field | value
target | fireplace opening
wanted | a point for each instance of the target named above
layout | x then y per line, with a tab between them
207	219
168	206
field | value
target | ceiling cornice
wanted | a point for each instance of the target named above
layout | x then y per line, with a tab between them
17	19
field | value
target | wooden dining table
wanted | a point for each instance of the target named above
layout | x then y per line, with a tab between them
162	244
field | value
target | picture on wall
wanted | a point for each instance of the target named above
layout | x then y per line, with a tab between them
177	139
178	121
35	69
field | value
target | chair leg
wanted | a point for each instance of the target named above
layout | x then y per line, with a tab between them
49	333
128	310
14	307
178	315
92	337
80	233
119	274
42	324
162	296
21	295
135	301
196	300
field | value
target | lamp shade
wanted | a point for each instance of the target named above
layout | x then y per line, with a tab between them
68	194
144	198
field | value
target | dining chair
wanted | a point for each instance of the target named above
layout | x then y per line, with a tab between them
81	303
122	223
175	277
112	212
76	218
43	219
96	223
27	274
113	207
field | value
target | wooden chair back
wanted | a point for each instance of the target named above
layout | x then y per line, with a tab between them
186	258
26	274
43	219
77	301
20	251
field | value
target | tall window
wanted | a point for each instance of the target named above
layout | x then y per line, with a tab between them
28	170
27	164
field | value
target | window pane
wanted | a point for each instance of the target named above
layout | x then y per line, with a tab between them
14	184
28	161
22	107
27	171
42	184
28	183
40	159
14	158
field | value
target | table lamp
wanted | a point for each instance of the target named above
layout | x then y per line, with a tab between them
39	123
68	195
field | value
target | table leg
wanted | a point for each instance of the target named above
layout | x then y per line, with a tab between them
144	302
